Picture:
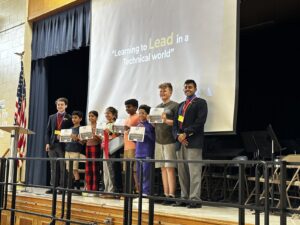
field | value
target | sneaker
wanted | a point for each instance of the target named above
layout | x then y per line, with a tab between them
92	195
50	191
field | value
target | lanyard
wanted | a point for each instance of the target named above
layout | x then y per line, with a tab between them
186	105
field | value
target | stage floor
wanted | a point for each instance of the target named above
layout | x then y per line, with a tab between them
208	212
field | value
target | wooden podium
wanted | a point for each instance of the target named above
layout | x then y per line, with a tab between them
15	132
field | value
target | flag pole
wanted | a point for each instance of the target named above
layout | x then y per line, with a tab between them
17	139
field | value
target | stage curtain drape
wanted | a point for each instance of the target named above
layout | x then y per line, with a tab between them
58	34
61	33
36	170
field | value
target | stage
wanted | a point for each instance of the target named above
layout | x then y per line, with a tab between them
100	210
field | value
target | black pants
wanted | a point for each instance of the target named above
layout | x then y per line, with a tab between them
57	151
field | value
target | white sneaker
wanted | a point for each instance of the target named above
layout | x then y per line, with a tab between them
92	195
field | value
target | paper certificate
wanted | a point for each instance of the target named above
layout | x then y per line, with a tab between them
155	115
65	135
136	134
85	132
100	128
119	126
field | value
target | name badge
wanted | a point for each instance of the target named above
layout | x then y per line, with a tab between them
180	118
57	132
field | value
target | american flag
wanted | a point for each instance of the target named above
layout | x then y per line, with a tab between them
20	117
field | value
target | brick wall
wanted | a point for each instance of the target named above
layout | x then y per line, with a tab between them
12	30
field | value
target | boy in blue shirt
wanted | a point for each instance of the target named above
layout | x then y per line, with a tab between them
145	150
73	148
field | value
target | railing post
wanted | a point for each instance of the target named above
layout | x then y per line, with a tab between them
2	176
128	190
69	193
151	201
283	193
257	191
54	196
14	190
267	202
140	207
241	194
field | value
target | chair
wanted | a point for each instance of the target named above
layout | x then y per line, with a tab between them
293	180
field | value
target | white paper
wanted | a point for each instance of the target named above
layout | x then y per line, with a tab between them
65	135
85	132
136	134
119	126
155	115
100	128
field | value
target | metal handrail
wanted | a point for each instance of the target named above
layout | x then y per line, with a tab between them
265	165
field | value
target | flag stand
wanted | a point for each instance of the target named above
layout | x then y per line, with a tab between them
15	131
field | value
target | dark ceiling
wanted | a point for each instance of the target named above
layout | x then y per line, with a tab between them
255	13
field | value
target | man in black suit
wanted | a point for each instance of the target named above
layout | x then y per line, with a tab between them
55	149
188	129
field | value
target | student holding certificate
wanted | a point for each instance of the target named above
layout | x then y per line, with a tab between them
145	149
165	147
92	168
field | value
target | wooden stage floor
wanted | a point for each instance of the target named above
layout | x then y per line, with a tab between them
100	209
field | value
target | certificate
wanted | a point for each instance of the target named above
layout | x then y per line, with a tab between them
136	134
119	126
65	135
155	115
85	132
100	128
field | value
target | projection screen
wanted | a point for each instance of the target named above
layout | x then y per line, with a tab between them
138	44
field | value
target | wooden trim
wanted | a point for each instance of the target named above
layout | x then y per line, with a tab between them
40	9
98	213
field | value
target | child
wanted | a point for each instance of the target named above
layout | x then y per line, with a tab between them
145	150
111	114
73	148
129	146
92	168
165	143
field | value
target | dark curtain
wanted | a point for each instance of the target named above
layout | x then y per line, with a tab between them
38	113
55	35
61	33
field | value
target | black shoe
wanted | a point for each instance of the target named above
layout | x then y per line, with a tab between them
179	204
168	202
77	185
50	191
194	206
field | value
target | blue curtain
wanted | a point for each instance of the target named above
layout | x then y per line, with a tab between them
38	112
55	35
61	33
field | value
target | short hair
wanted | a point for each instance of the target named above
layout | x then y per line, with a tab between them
94	112
166	85
133	102
62	99
113	110
77	113
191	82
146	108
